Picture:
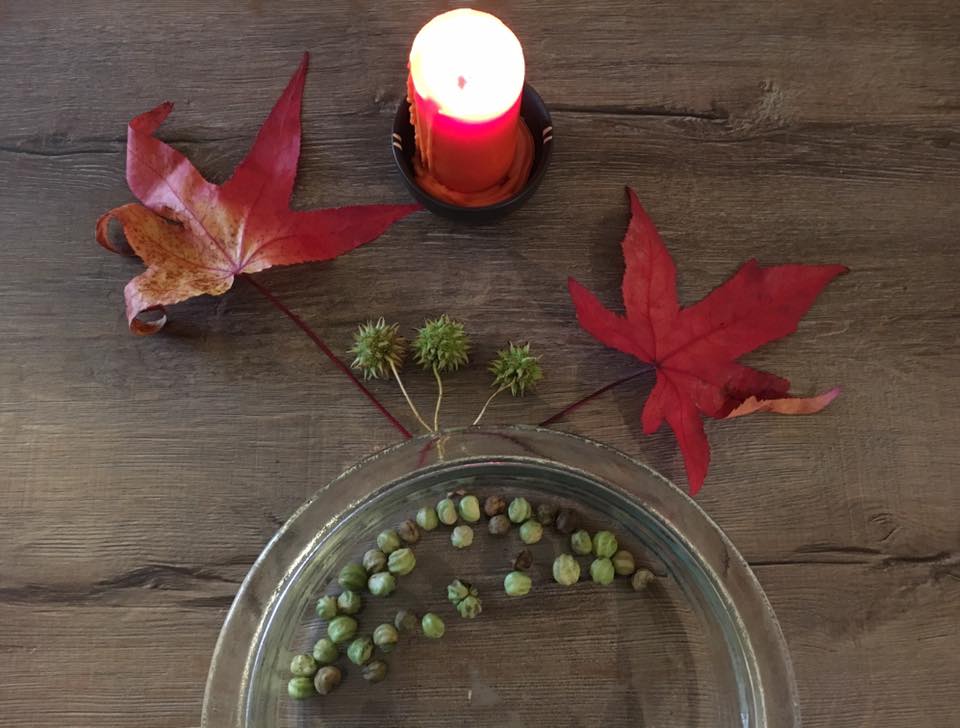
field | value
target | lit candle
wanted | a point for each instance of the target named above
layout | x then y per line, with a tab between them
466	80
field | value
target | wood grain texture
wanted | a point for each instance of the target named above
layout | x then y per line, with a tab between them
141	477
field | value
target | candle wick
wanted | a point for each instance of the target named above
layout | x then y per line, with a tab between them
461	82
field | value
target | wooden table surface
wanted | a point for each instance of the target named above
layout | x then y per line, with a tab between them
140	477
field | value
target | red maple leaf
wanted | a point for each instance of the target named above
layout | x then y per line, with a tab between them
196	237
694	349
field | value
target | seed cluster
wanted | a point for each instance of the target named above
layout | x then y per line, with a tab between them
393	557
376	574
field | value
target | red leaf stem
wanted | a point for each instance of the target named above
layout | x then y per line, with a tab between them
328	352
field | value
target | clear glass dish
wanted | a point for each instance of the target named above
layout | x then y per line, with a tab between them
700	647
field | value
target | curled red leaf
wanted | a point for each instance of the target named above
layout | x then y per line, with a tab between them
196	237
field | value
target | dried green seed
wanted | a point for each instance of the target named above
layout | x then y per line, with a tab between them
360	650
531	532
386	637
470	607
461	537
641	579
342	629
326	679
499	525
566	570
601	571
604	544
300	688
303	666
469	508
494	505
325	651
388	541
375	671
546	513
523	560
517	584
353	576
408	531
447	512
349	602
374	560
432	626
623	563
427	519
327	607
567	521
581	543
382	584
406	622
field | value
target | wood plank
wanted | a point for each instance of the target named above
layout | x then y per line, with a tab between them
142	476
86	71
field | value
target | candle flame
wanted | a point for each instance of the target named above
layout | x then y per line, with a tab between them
468	44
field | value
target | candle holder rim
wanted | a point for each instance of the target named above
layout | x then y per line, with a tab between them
533	111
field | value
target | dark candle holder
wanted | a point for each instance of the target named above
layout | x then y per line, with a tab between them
537	118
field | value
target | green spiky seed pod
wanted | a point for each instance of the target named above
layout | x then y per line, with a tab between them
442	344
378	346
516	369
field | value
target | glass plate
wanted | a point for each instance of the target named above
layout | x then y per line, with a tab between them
700	647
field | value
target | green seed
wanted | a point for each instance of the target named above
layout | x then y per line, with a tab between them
566	570
470	508
353	576
382	584
470	607
406	622
360	650
601	571
499	525
531	532
604	544
642	578
623	563
461	537
447	512
349	602
326	679
517	584
374	672
300	688
432	626
427	519
374	560
325	651
457	590
388	541
401	562
519	510
581	543
327	607
303	666
386	637
342	629
408	531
